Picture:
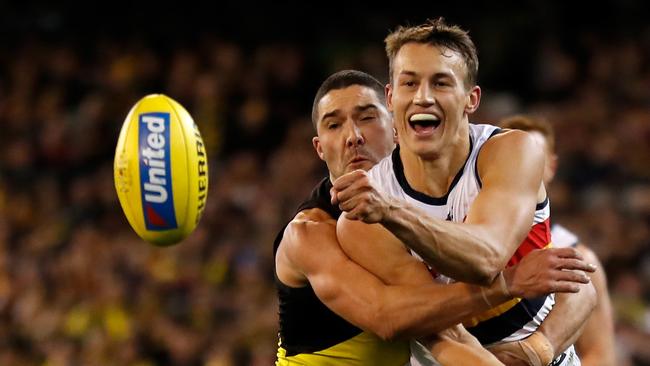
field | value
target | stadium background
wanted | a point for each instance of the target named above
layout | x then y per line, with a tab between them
77	287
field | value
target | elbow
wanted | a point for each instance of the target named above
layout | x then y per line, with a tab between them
481	276
484	272
385	326
494	263
486	266
478	272
384	329
487	274
387	334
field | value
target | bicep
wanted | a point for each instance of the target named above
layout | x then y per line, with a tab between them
511	174
380	252
342	285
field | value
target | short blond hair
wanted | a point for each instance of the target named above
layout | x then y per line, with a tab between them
531	123
437	33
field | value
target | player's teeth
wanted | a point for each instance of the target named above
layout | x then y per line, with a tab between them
423	117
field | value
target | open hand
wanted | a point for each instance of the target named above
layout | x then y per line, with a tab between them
546	271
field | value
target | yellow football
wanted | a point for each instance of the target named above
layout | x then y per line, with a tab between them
161	170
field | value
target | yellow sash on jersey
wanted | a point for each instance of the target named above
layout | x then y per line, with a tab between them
361	350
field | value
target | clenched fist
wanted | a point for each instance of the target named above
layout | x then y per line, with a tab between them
356	195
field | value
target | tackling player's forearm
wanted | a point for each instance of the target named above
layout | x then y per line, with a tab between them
407	312
461	251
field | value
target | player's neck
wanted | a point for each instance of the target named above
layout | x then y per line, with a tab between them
434	176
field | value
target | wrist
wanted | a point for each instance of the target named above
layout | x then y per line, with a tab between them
538	349
508	281
389	211
497	292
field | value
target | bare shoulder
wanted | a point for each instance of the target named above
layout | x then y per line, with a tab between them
308	233
509	147
511	141
306	226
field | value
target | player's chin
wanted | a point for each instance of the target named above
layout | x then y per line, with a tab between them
426	149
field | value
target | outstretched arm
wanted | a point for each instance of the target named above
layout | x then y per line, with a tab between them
510	166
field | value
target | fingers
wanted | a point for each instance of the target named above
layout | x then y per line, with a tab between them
566	258
565	252
572	276
352	216
349	185
360	215
566	281
351	206
337	197
334	199
575	264
347	179
353	191
571	287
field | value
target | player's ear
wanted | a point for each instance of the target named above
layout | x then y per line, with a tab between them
319	150
473	99
388	91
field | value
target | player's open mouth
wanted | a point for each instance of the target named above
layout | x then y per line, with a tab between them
424	123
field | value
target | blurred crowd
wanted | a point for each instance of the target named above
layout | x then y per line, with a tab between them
78	287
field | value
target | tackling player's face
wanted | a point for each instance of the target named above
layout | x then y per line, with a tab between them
429	99
354	128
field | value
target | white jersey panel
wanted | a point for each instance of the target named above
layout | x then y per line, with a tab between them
561	237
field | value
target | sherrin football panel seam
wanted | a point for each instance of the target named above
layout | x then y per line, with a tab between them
196	158
181	122
133	211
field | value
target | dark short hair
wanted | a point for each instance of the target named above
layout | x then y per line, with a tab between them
342	80
437	33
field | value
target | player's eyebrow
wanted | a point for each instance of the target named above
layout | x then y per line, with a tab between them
330	114
408	73
359	108
365	107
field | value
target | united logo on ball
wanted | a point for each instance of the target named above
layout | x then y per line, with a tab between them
161	170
